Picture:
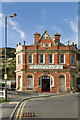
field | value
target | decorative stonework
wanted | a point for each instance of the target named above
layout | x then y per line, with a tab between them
73	48
19	48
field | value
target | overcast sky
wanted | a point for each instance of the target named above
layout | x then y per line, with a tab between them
55	17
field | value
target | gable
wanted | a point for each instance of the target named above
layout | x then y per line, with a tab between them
46	41
45	36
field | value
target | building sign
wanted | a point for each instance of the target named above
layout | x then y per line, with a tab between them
46	66
73	67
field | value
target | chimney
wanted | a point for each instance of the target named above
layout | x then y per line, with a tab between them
67	43
57	36
72	43
36	36
24	43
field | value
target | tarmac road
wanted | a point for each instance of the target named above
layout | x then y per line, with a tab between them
65	106
42	107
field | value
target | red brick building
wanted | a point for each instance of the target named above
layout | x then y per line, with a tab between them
47	65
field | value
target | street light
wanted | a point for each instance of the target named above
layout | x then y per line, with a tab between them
5	75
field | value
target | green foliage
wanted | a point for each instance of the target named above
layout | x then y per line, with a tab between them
2	100
10	72
11	63
78	80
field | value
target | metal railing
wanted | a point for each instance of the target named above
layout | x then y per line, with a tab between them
2	94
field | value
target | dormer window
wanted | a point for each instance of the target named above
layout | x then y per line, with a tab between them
45	44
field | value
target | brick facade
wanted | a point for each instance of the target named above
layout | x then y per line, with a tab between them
46	77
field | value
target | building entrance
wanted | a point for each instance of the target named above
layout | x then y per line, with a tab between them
45	84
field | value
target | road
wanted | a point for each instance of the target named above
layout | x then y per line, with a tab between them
13	97
65	106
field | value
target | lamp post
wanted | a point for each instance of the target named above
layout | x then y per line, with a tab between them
5	75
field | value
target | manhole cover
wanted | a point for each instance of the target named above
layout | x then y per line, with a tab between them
28	114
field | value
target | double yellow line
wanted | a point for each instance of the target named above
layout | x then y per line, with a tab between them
20	110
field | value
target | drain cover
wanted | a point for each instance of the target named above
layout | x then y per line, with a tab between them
28	114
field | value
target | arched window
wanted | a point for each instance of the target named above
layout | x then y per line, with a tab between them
62	83
29	84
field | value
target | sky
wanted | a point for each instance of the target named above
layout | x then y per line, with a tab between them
55	17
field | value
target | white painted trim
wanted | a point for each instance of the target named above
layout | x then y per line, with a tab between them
64	59
17	59
17	81
52	81
44	59
32	58
22	61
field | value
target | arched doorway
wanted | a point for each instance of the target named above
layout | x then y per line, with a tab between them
19	82
29	85
61	83
45	82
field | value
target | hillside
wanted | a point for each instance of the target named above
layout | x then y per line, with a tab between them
11	63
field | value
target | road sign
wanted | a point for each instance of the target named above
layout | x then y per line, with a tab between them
5	76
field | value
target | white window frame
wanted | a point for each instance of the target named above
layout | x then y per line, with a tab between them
51	78
60	58
18	59
43	58
73	59
43	44
32	59
52	59
40	82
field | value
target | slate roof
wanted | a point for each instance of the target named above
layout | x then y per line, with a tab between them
60	44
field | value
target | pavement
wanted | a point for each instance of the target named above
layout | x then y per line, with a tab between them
16	96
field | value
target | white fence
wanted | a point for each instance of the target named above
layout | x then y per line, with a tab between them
2	94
